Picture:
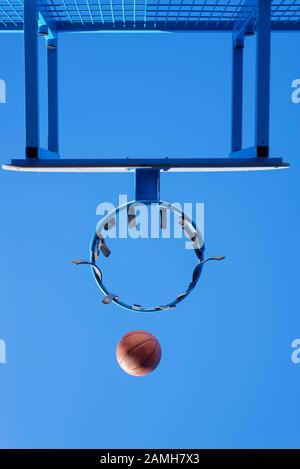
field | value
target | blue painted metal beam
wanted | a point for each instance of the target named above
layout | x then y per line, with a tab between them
11	28
52	84
31	78
243	160
237	95
263	51
147	184
276	26
282	26
139	26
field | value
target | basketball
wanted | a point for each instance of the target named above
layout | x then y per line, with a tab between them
138	353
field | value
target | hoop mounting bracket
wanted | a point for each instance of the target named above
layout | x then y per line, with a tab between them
147	184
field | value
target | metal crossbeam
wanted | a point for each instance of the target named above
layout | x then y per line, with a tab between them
163	164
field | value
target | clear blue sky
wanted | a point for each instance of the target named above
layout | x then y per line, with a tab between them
226	378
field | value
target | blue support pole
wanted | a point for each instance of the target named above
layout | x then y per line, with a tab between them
237	95
53	144
263	53
147	184
31	78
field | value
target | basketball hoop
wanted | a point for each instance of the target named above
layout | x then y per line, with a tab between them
255	17
100	250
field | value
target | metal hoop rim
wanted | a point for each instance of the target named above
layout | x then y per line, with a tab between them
196	273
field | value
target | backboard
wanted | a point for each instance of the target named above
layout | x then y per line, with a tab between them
243	18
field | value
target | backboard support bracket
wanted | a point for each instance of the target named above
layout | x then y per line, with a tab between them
262	100
35	25
31	78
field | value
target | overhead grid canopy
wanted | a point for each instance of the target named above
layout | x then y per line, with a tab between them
240	18
180	15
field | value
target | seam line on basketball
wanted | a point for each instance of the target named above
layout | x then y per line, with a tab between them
145	361
130	334
135	347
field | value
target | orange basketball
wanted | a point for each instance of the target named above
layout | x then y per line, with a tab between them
138	353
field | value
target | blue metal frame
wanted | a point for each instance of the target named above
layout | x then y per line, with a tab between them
237	95
31	78
53	118
262	13
263	77
241	18
48	18
155	15
34	25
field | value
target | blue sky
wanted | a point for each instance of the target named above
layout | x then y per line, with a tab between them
226	378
